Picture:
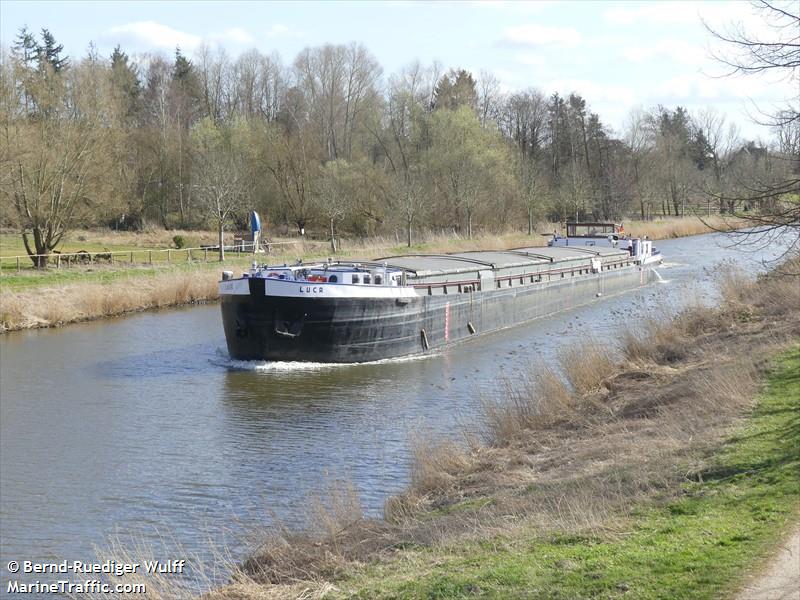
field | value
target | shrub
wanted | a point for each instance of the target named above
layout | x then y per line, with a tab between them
179	241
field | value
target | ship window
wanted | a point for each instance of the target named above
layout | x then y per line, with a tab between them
355	279
378	280
333	279
367	279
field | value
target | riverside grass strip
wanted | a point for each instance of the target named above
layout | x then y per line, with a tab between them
697	546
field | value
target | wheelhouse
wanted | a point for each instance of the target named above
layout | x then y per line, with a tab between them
593	229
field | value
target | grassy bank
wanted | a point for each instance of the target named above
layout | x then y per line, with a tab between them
34	298
667	475
695	545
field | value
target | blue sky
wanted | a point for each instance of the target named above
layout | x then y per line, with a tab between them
618	55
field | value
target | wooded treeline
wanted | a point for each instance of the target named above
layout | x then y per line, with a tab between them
328	142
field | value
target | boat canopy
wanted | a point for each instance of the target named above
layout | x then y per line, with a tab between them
592	229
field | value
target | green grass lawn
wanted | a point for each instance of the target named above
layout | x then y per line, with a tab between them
11	245
31	279
145	263
700	546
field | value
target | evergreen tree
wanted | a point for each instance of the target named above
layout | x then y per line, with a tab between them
125	83
50	53
182	69
25	50
455	90
186	86
25	55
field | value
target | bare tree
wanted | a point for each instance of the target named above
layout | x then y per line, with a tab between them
331	195
637	141
292	160
534	189
489	98
411	199
220	175
775	49
53	161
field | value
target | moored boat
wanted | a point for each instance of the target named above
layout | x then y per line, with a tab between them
357	311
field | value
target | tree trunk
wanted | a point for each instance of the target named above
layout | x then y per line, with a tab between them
408	232
220	226
333	239
469	224
530	221
39	247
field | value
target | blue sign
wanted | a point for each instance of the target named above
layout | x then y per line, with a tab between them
255	222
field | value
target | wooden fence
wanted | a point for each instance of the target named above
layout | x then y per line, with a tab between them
145	256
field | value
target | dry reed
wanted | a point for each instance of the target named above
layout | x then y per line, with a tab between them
52	306
434	463
587	366
676	227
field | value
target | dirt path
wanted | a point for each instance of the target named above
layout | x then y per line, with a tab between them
781	579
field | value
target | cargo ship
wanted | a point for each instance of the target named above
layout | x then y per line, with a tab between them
360	311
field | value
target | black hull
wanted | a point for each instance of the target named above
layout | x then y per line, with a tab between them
346	330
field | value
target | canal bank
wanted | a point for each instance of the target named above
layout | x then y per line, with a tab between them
670	474
59	297
141	428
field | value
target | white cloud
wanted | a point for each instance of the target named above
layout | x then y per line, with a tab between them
515	6
592	91
716	14
652	12
699	86
279	30
234	35
672	49
538	35
150	35
534	60
155	35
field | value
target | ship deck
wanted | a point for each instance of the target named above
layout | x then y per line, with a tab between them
440	267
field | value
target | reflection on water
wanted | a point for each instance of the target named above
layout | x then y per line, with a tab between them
143	426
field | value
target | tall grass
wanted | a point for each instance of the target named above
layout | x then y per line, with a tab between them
676	227
49	306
